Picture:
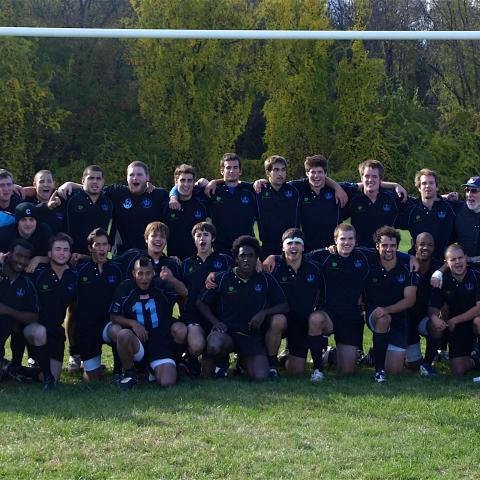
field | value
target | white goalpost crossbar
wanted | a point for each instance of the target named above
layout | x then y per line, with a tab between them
238	34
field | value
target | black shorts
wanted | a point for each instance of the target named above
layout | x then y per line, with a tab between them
461	340
248	345
158	346
297	334
398	333
347	326
56	342
88	340
416	327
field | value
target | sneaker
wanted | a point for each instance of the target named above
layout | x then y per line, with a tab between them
317	376
49	384
74	363
426	370
128	382
117	378
380	376
221	373
273	374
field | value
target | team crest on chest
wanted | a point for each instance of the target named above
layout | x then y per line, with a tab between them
288	193
197	214
401	278
441	214
104	207
244	199
112	278
387	207
328	195
20	292
217	264
258	287
146	203
358	263
127	203
469	286
310	277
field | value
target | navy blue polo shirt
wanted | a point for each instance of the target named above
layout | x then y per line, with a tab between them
132	213
277	211
344	278
237	300
95	291
127	259
194	274
367	216
39	238
384	288
439	222
55	219
151	308
460	296
304	289
54	294
20	295
180	222
233	211
83	216
319	214
467	230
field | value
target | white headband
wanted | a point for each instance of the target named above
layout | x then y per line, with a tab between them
288	241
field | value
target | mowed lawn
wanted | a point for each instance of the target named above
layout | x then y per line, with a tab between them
346	427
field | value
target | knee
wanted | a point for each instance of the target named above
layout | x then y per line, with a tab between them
278	323
215	345
124	337
382	324
37	335
166	381
179	332
196	346
317	323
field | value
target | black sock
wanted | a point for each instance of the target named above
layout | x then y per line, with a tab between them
273	361
324	343
431	350
17	345
72	350
117	363
178	351
380	345
315	344
42	356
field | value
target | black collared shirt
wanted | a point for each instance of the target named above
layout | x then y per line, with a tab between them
55	294
460	296
132	213
152	308
55	219
237	300
467	230
319	214
39	238
233	211
277	211
95	291
83	216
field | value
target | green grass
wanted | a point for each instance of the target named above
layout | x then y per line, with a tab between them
346	427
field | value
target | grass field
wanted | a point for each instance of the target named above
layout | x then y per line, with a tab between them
346	427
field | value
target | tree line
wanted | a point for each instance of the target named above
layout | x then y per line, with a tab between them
67	103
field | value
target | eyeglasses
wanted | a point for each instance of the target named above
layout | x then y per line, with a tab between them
471	190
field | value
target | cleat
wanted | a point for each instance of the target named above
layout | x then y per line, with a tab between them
380	376
32	363
49	384
221	373
426	370
317	376
273	374
127	383
117	378
74	364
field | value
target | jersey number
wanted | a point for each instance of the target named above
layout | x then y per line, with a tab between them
151	307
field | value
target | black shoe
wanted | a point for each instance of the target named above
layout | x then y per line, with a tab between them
18	375
49	384
283	357
221	373
273	374
194	366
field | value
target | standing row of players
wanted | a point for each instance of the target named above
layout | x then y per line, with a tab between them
234	200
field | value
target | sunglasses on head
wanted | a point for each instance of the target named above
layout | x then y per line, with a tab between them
471	190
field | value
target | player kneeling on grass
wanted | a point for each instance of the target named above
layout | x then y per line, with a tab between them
244	300
390	290
460	292
143	307
193	327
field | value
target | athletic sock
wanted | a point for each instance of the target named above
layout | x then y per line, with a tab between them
42	356
273	361
315	344
431	350
17	345
380	345
117	363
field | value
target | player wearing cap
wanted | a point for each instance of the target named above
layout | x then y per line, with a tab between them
243	300
28	227
460	292
142	306
98	278
193	328
193	209
56	284
389	291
